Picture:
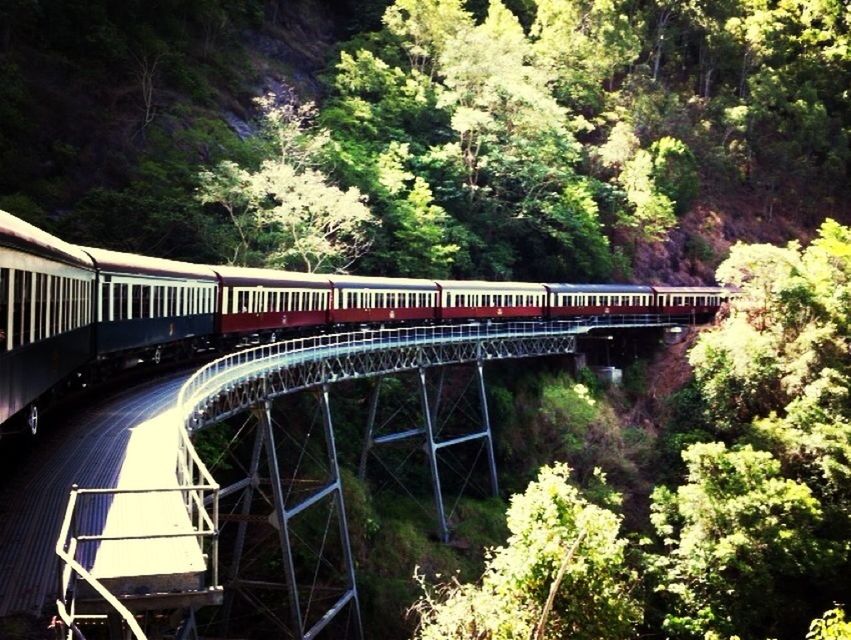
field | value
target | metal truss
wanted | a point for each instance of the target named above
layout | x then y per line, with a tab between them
278	508
256	375
433	440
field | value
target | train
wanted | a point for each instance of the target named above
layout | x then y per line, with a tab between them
71	313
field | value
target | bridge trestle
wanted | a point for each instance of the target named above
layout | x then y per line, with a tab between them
434	428
274	495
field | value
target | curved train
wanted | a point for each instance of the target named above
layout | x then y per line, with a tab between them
69	312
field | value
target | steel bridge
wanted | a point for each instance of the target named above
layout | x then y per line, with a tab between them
151	559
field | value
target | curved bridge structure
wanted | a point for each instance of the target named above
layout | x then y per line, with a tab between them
106	568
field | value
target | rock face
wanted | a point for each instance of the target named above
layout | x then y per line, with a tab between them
695	248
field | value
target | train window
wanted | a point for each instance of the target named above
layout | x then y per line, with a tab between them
144	301
18	301
71	301
136	296
159	302
242	302
38	314
72	305
5	328
53	290
120	293
379	300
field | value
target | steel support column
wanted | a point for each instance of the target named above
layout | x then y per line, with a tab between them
265	438
247	497
370	427
334	467
486	425
431	451
265	416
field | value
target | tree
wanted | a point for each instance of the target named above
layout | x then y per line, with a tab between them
652	213
287	213
832	626
563	573
425	28
675	172
582	44
735	533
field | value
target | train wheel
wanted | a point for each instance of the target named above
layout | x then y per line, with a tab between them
32	418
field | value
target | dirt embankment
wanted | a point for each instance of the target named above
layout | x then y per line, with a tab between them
705	234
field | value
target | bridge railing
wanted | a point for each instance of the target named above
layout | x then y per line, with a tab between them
79	537
253	361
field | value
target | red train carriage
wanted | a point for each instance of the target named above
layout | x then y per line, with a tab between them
700	302
599	299
266	300
478	299
46	288
359	299
145	304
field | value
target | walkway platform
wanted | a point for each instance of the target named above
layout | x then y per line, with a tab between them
128	562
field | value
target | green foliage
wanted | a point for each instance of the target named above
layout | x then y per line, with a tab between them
286	211
675	172
651	214
560	544
832	626
735	533
635	379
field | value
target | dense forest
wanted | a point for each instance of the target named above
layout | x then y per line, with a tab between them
543	140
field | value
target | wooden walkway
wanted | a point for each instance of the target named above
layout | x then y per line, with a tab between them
116	442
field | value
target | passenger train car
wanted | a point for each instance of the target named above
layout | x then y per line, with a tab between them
69	312
46	321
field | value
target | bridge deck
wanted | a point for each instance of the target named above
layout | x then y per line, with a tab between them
93	449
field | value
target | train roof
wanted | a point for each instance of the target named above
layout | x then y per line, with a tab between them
599	288
254	277
20	235
492	287
366	282
698	290
118	262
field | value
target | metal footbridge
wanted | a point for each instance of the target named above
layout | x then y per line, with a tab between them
142	556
